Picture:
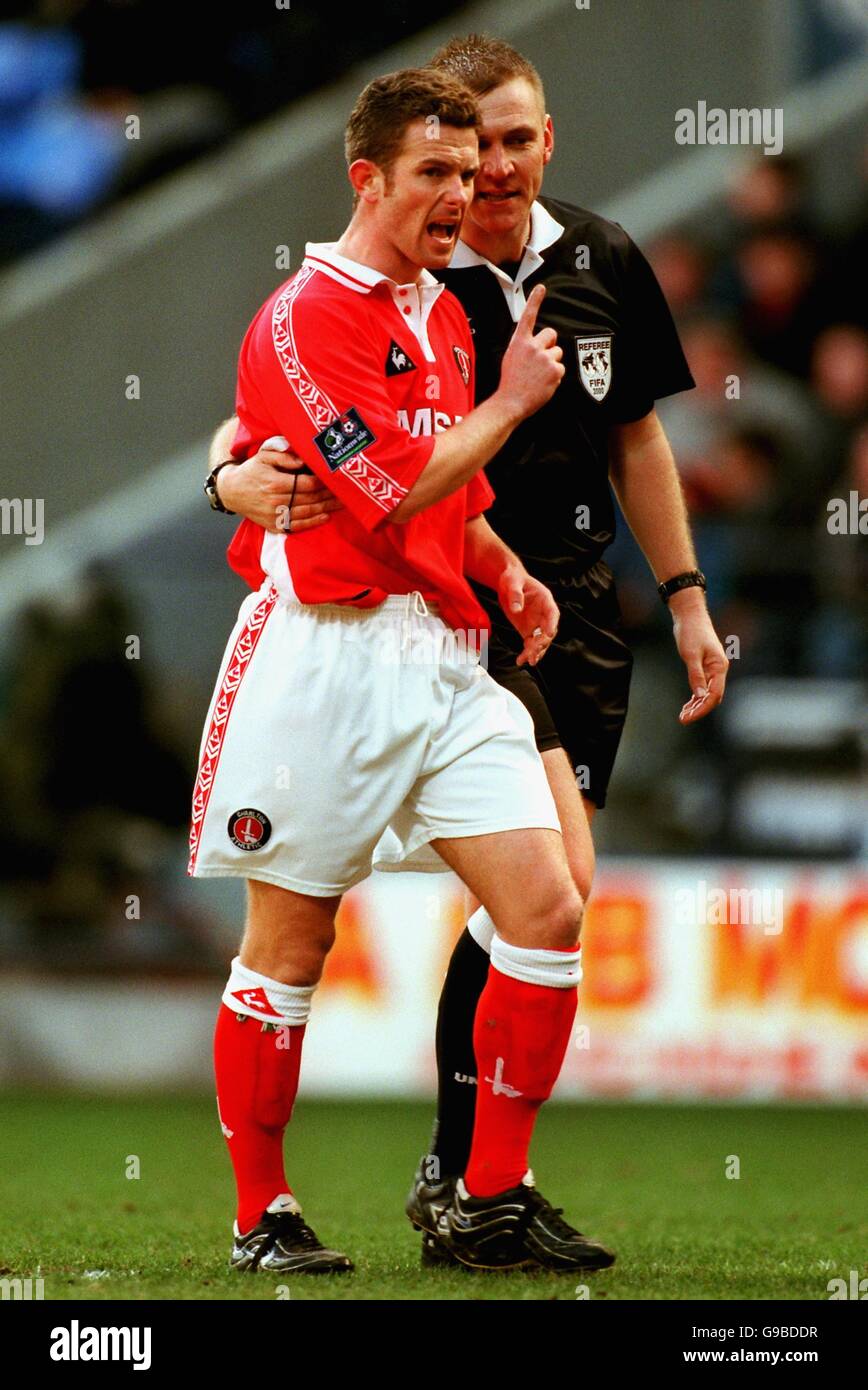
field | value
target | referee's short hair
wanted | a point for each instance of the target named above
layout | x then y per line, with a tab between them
380	117
483	63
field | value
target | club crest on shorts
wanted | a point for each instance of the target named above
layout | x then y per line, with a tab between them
463	360
398	361
594	356
249	829
346	436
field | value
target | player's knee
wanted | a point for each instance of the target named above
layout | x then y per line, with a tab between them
560	923
303	961
289	952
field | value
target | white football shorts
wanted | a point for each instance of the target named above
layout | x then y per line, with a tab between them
331	727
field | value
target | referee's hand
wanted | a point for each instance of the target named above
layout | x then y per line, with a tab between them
269	489
532	367
700	649
531	609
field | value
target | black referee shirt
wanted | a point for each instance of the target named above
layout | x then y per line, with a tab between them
553	502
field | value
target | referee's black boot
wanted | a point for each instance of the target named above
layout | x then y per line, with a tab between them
517	1229
426	1201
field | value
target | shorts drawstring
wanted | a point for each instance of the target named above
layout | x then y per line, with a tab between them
419	609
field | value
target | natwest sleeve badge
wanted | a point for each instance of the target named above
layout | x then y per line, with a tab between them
346	436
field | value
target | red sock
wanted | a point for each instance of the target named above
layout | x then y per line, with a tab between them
520	1037
257	1081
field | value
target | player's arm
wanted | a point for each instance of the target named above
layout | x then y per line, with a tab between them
529	374
269	487
221	444
527	603
379	475
645	479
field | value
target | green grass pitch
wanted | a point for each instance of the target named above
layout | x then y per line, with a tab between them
649	1181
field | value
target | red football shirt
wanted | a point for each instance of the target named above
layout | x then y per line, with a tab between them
359	374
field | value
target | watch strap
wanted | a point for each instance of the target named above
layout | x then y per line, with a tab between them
209	487
691	579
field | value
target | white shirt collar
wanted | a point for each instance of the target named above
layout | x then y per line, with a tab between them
544	232
414	300
321	255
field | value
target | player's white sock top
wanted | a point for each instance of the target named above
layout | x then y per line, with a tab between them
248	992
557	969
481	928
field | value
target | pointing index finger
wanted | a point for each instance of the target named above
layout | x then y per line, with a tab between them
527	322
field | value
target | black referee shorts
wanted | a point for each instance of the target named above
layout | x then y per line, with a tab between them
577	695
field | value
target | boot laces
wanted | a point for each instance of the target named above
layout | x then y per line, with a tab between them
289	1225
555	1219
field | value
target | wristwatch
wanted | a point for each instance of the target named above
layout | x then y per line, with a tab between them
209	487
691	579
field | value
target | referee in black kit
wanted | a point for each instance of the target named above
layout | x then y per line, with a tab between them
553	506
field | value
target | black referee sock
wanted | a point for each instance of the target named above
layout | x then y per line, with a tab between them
456	1062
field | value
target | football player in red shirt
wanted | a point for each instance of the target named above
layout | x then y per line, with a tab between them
318	681
513	239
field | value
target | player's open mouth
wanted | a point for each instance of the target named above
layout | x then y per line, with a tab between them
443	232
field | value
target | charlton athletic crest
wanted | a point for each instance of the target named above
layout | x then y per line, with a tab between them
249	829
463	360
595	364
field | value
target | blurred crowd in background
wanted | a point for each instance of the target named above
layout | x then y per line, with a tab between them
772	446
770	302
95	789
771	306
73	71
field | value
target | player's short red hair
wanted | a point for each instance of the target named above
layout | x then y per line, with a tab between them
386	107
